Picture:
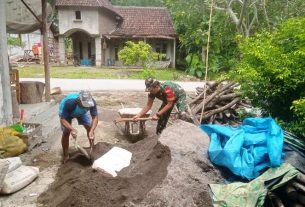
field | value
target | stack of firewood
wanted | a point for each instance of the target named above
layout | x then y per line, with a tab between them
220	105
291	194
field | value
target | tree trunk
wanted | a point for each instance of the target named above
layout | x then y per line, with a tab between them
45	49
31	92
15	106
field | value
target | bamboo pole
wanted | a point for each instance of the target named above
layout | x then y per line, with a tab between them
207	62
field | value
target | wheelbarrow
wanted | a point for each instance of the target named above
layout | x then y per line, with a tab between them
132	127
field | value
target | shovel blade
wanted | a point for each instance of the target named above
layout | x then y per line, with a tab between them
84	152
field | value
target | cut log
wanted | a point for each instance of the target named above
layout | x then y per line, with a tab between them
31	92
275	200
210	98
298	186
212	112
301	178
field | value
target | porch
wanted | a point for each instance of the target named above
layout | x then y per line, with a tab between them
93	50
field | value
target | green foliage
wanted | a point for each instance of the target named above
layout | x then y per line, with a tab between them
195	66
141	52
68	45
271	71
148	73
298	108
15	41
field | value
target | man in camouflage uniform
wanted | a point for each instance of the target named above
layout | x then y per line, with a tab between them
170	94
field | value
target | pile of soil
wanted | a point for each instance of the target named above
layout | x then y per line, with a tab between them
77	184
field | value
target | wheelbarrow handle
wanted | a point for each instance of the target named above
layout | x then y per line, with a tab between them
131	119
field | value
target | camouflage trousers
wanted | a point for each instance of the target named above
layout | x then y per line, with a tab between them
181	105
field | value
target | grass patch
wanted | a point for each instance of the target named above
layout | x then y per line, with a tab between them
71	72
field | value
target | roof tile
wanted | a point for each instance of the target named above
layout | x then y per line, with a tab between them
145	21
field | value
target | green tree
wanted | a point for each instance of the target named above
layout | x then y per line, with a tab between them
231	19
271	71
191	20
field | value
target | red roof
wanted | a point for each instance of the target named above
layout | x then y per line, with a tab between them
145	22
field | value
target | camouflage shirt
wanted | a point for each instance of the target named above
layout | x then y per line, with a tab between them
171	92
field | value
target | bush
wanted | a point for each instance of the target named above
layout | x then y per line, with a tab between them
272	70
140	52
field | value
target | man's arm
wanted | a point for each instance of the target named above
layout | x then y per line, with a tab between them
145	109
94	124
94	115
68	126
69	106
171	98
168	106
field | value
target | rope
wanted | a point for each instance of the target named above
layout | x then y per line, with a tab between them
206	63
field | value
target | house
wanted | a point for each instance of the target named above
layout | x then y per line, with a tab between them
99	30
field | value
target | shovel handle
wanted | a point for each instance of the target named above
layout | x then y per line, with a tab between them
131	119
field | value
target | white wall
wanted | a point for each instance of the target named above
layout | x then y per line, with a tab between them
107	21
28	39
89	19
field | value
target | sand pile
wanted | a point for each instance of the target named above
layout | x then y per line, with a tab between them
78	185
172	170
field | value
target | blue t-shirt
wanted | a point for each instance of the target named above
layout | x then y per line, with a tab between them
69	108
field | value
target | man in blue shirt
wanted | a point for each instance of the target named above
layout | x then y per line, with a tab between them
77	105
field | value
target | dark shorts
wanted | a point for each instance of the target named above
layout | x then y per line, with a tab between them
84	120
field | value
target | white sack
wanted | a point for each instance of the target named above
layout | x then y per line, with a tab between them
19	178
113	161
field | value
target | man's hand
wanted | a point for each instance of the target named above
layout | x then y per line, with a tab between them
155	117
74	133
91	137
91	134
135	118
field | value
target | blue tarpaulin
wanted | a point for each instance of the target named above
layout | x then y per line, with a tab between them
247	149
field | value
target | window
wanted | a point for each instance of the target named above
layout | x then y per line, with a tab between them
78	15
161	48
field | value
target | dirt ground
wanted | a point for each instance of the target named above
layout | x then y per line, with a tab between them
77	184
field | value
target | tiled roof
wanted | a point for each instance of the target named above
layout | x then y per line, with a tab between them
137	21
95	3
145	21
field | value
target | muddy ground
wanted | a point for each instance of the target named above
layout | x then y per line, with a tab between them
151	176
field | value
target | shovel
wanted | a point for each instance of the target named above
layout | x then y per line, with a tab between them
91	147
81	149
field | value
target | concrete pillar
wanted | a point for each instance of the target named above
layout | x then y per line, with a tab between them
174	55
6	112
61	48
98	51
